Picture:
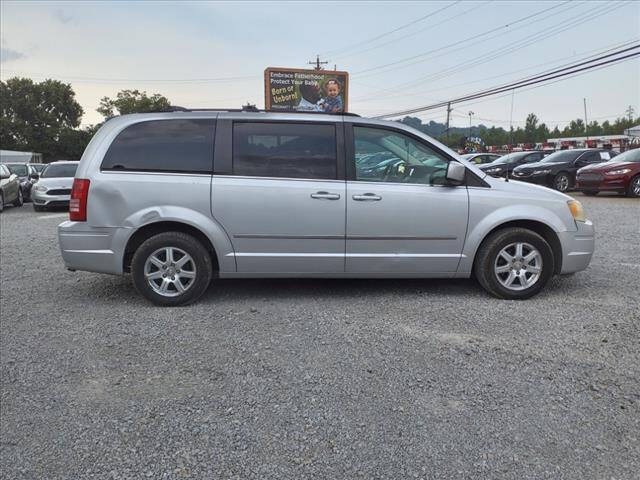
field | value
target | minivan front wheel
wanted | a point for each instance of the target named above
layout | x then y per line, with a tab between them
514	263
171	268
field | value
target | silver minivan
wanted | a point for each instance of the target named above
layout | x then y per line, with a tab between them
180	198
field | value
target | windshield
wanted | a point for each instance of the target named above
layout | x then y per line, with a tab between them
562	156
18	169
511	157
60	170
628	156
39	167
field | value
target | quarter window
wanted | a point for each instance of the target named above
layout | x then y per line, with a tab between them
386	156
183	146
290	150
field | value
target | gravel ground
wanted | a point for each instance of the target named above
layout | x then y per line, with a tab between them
320	378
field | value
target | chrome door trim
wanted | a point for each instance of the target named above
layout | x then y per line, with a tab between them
289	237
354	255
396	237
285	255
338	237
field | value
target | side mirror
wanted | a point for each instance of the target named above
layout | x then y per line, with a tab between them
456	173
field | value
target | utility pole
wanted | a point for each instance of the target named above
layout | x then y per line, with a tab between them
470	115
448	114
513	94
586	130
317	63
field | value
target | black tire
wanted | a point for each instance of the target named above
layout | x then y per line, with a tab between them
19	200
38	208
562	182
1	202
590	193
487	256
187	243
632	190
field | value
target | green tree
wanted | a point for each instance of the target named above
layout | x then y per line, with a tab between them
35	116
132	101
530	128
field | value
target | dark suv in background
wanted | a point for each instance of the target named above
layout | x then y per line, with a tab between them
505	164
26	174
558	170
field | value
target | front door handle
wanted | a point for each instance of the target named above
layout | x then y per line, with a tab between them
325	196
367	197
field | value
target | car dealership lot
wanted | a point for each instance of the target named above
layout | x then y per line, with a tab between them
320	378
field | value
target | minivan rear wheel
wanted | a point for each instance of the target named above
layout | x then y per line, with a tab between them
171	269
514	263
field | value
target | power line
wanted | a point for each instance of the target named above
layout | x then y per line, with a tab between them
528	40
526	82
473	37
382	35
587	16
600	50
359	52
615	62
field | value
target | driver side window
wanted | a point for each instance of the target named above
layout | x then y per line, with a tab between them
387	156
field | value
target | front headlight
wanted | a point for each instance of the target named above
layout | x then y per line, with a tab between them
540	172
40	188
493	170
622	171
577	211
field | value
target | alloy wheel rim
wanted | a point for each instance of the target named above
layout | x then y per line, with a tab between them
562	183
170	271
518	266
636	186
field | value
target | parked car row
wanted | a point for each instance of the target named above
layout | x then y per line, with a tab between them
589	170
10	192
46	185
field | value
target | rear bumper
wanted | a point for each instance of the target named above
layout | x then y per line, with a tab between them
577	247
92	249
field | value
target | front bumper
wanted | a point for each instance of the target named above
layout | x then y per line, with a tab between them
43	199
93	249
577	247
540	179
598	182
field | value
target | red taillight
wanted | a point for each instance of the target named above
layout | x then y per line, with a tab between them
78	202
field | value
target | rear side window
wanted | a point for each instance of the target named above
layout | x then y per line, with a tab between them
290	150
182	146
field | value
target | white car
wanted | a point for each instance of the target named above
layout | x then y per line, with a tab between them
53	189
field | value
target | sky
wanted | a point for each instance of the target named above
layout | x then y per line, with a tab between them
400	55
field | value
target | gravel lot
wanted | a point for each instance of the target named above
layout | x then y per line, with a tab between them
320	378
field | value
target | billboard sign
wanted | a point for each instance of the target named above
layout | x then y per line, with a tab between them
291	89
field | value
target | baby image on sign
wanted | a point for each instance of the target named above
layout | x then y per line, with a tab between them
289	89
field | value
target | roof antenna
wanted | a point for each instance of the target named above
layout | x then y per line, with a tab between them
506	179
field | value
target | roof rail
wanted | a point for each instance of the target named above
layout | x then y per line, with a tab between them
245	108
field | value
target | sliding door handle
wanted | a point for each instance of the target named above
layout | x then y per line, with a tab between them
325	196
367	197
